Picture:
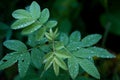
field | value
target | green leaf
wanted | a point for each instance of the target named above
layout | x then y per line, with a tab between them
23	63
64	38
60	62
15	45
37	57
84	53
35	10
22	23
91	40
40	33
48	36
51	24
89	67
59	45
31	40
72	46
62	54
49	62
21	14
31	28
73	67
44	16
56	68
75	36
93	52
47	57
45	48
8	60
100	52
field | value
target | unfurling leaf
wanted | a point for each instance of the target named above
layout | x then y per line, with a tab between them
49	63
59	45
47	57
56	68
62	54
49	37
60	63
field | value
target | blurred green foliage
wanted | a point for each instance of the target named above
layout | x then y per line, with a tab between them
71	15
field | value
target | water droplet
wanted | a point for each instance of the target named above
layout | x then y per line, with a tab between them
89	57
108	56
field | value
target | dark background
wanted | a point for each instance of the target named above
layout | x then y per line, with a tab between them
82	15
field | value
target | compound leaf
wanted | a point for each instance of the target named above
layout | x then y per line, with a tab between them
37	57
15	45
89	67
30	29
91	40
73	67
35	10
44	16
23	63
75	36
22	23
8	60
21	14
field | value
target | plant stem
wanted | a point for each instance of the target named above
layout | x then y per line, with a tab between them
42	74
106	33
108	25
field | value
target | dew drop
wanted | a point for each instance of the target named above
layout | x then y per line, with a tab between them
89	57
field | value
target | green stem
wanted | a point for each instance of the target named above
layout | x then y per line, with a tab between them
107	28
108	25
42	74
